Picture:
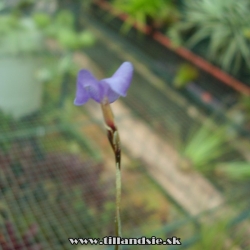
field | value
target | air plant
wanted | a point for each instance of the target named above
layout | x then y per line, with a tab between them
237	170
107	91
204	147
223	25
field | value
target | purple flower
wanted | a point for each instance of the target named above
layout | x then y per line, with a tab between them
106	89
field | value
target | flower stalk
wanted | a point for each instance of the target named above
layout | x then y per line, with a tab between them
107	91
114	140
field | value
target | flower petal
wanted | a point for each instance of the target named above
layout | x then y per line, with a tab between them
121	79
87	86
112	96
107	92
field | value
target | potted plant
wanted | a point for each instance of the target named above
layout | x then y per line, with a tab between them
21	44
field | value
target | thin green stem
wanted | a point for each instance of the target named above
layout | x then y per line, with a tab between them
118	202
114	140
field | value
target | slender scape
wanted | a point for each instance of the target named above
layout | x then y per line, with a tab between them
107	91
114	140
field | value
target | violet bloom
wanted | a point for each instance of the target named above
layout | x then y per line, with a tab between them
108	89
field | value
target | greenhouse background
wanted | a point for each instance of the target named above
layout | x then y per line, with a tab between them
184	125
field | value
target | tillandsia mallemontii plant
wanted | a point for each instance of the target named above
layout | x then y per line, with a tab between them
107	91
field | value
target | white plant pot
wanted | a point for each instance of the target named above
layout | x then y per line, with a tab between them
20	91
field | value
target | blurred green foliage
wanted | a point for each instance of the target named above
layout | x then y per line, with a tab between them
237	170
19	35
142	12
216	236
185	74
204	148
24	34
61	27
208	150
224	26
